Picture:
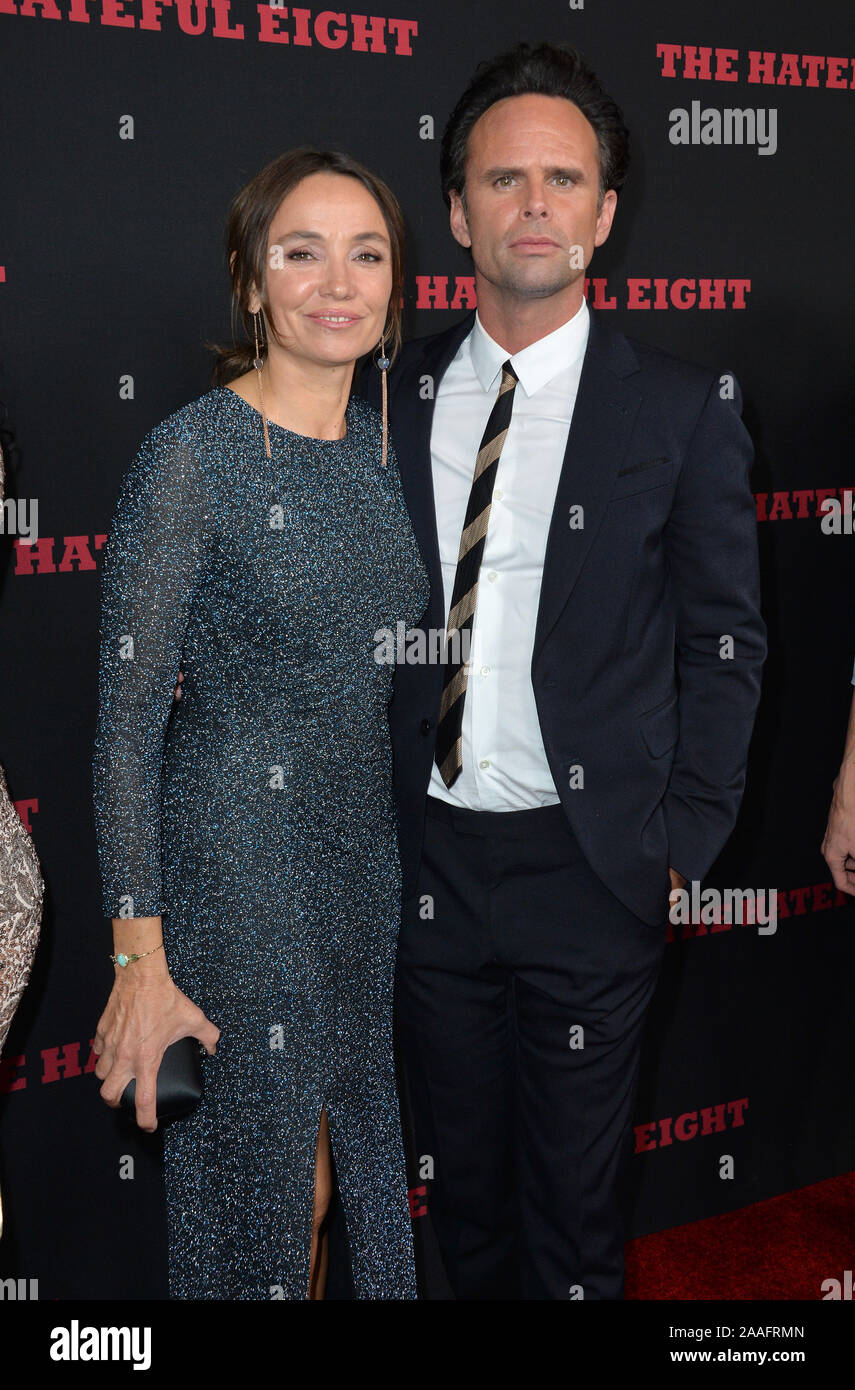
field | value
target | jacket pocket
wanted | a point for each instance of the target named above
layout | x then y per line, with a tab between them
660	727
640	477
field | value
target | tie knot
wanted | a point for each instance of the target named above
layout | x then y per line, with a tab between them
509	376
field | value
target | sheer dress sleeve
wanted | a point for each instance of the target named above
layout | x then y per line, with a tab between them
152	564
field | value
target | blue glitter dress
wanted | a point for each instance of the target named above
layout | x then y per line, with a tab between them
256	816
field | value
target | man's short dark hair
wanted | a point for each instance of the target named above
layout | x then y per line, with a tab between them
549	70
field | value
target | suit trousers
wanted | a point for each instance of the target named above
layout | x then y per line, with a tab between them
522	988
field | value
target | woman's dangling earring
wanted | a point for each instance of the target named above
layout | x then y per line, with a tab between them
383	364
259	366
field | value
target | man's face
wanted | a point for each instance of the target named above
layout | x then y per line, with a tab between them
532	182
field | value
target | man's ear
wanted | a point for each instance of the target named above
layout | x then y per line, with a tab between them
605	217
458	220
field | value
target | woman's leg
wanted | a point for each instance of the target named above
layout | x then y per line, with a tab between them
323	1194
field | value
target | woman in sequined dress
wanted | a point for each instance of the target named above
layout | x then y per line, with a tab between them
246	832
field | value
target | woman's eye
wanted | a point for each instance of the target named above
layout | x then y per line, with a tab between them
367	255
296	255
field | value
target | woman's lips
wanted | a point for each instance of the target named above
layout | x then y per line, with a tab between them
335	321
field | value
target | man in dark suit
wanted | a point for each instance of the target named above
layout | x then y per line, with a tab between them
582	504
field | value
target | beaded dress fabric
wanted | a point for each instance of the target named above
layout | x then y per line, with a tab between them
255	814
21	895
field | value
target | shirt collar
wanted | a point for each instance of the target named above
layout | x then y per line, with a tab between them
537	364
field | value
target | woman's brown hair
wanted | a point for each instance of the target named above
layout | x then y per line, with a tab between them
250	214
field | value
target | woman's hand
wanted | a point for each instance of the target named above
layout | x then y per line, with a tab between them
145	1014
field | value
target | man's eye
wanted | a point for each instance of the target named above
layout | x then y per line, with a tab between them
562	178
504	179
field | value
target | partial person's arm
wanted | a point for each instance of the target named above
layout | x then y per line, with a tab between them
152	565
711	546
838	846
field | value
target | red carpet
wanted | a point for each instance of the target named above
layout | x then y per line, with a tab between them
783	1248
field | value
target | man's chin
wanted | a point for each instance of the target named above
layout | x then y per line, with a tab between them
535	286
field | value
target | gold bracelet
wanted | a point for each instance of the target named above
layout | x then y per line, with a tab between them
121	959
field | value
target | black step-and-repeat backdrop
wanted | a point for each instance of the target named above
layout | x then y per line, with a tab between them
127	126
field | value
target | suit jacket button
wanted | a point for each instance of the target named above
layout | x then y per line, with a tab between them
426	726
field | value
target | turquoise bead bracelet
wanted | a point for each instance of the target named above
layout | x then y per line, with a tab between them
121	959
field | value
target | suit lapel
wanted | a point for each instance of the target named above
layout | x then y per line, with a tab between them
415	460
603	418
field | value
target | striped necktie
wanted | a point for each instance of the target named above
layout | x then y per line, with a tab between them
449	729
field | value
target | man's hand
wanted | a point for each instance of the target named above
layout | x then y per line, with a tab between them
838	846
176	694
677	882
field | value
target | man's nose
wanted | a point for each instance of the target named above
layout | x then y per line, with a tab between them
535	205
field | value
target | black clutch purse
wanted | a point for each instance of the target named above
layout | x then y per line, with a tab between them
180	1083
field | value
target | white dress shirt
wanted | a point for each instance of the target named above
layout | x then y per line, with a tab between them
504	762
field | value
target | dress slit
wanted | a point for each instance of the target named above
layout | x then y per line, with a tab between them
313	1189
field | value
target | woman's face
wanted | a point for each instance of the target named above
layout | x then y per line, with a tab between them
329	270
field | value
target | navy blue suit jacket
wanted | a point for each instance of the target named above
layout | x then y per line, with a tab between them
649	640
